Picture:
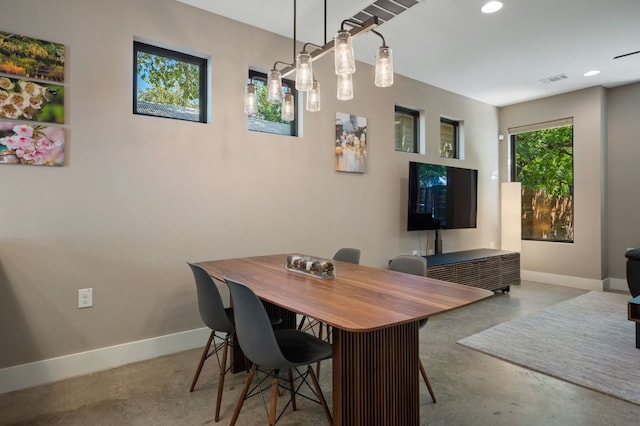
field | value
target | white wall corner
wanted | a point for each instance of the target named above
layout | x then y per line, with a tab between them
616	284
510	216
74	365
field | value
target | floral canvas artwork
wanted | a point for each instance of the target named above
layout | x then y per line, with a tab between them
32	144
27	100
351	143
31	58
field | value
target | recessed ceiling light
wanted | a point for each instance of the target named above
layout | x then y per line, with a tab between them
492	6
591	73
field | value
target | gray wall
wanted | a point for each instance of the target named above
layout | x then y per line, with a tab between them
139	196
586	257
623	189
606	154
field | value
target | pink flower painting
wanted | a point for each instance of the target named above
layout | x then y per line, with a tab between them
31	144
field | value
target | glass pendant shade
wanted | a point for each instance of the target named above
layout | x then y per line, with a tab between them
384	67
304	72
345	87
287	111
313	97
250	99
344	58
274	87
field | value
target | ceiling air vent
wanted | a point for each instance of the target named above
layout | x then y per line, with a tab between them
384	10
554	78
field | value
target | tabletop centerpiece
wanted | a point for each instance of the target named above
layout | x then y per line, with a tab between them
310	265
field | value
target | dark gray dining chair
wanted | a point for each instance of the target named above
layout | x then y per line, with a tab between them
415	265
220	320
345	254
272	351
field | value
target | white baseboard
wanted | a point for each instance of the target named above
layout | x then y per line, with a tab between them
563	280
68	366
73	365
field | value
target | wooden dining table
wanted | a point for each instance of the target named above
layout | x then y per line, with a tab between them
374	313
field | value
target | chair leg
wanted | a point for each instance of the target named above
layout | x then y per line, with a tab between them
203	358
426	381
329	334
292	391
323	402
223	371
243	395
274	398
304	318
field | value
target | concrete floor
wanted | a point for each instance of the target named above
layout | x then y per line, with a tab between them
472	388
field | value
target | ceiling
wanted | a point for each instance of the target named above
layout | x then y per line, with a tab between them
500	59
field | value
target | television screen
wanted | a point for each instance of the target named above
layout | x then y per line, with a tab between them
441	197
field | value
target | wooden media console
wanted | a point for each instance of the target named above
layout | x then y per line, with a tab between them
485	268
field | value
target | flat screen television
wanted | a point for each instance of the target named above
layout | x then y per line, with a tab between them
441	197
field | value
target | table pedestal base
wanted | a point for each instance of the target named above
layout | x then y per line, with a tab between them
375	377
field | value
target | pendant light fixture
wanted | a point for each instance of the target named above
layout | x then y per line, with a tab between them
287	110
345	87
384	65
313	97
345	67
250	99
274	86
345	62
304	72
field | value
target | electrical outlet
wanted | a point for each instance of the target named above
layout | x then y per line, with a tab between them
85	297
415	252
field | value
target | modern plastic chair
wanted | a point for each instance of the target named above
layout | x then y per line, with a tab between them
417	266
271	351
220	320
351	255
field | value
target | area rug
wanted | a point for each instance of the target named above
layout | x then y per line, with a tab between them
586	340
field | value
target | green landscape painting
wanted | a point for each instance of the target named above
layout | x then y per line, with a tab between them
31	58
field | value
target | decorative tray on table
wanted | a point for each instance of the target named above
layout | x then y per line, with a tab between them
309	265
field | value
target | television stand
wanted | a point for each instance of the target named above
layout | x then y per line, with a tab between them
438	243
495	270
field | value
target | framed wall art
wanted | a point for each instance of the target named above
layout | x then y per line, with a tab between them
28	100
31	58
29	69
33	144
351	143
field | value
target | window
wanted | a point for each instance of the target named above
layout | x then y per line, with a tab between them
268	119
169	84
542	161
449	138
406	130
